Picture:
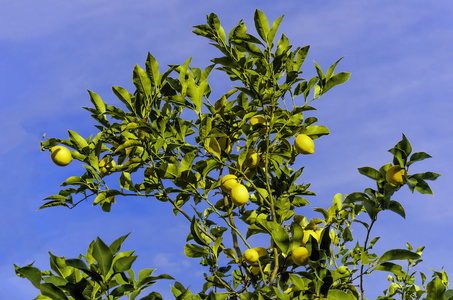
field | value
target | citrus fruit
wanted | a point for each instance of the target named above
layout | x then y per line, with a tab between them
60	155
105	165
239	194
304	144
300	256
251	256
395	175
227	182
261	251
255	120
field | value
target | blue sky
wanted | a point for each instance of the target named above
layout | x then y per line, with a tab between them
51	52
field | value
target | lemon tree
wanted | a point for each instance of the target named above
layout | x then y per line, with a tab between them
233	156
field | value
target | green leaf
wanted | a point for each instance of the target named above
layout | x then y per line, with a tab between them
278	233
121	290
188	159
80	142
300	58
418	156
103	255
315	131
371	173
193	251
142	81
116	245
339	295
331	69
398	254
273	31
196	234
152	296
404	145
422	187
31	273
97	102
435	289
128	144
261	25
152	69
356	197
390	267
319	71
123	264
297	281
126	181
50	290
124	96
397	208
336	79
58	264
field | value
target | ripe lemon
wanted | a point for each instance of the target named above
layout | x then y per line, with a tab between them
300	256
105	165
304	144
252	159
251	256
255	120
395	174
261	251
239	194
60	155
227	182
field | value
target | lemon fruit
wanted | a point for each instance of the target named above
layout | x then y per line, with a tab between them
395	175
60	155
255	120
227	182
261	251
300	256
251	256
239	194
105	165
304	144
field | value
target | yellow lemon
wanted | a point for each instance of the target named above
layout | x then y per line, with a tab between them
227	182
395	175
304	144
261	251
300	256
239	194
105	165
255	120
60	155
251	256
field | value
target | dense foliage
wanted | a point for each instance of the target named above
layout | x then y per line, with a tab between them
171	142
